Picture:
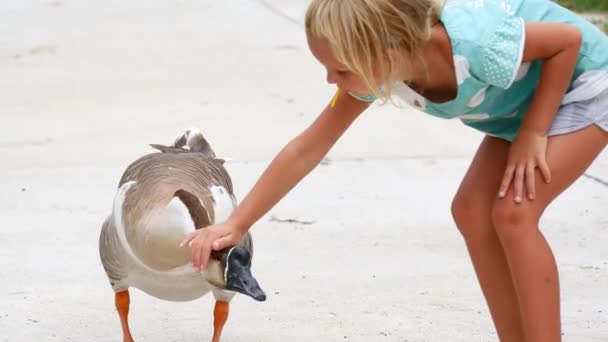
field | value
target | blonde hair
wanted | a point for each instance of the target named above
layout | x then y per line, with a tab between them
360	31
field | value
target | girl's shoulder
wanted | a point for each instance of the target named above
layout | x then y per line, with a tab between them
488	36
491	34
476	20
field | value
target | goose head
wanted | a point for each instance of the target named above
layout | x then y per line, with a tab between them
234	270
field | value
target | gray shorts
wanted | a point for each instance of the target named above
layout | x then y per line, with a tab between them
578	115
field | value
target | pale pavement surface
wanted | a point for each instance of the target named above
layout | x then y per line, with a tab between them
86	85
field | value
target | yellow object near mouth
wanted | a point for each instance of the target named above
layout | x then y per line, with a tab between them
335	99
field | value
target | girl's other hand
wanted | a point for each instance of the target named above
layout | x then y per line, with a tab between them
527	152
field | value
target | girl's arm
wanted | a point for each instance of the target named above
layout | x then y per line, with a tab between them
298	158
558	45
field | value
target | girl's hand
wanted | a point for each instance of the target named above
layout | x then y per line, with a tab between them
215	237
527	152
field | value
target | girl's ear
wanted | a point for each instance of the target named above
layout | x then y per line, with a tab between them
401	65
392	59
392	56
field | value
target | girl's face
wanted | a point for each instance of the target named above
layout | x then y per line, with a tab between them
337	73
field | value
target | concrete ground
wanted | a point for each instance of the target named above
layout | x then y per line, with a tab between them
85	86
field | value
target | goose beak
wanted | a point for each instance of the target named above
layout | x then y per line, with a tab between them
239	277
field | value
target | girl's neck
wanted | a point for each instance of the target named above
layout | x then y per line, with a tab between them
433	73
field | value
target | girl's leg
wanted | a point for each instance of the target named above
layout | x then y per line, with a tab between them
471	209
529	256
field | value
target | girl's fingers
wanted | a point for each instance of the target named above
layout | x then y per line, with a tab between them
196	256
188	238
506	181
205	252
228	240
222	242
518	185
530	185
544	169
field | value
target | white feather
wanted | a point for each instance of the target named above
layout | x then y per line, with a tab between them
122	237
191	133
172	223
223	203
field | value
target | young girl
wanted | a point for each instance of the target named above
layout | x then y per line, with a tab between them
530	74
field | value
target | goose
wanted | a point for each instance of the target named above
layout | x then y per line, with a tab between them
161	198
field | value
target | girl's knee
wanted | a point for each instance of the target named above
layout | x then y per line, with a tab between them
513	221
470	216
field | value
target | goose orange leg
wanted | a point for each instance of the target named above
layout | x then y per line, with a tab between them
122	301
220	315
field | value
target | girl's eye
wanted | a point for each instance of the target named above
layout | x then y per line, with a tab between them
342	72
